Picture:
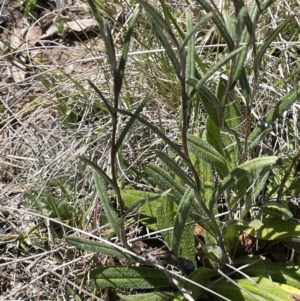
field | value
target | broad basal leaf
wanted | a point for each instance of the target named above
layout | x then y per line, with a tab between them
122	277
256	288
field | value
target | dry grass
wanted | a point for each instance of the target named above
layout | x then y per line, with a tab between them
50	115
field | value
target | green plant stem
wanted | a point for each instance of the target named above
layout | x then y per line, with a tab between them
185	121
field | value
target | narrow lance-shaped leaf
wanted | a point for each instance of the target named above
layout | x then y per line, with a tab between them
213	136
218	23
181	218
159	133
251	289
176	169
278	271
191	31
228	39
169	17
211	103
246	20
98	247
158	19
190	58
109	210
256	189
157	24
242	171
165	217
131	121
100	171
244	37
277	209
276	228
105	35
109	108
125	48
218	65
207	153
229	24
164	181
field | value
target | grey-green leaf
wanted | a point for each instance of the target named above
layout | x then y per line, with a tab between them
106	203
242	171
98	247
126	277
153	296
181	218
164	181
176	169
206	152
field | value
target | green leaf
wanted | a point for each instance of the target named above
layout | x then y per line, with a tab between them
106	203
276	228
256	288
242	171
131	198
213	136
226	36
190	58
106	36
201	276
125	49
165	218
154	296
231	229
207	186
257	186
159	133
158	23
131	121
181	218
164	181
260	134
176	169
229	24
191	31
109	108
256	224
215	254
142	203
280	272
158	19
242	20
206	152
217	66
125	278
99	170
245	20
244	37
166	213
266	4
98	247
212	105
279	209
